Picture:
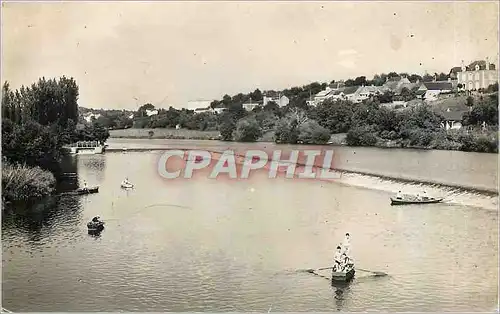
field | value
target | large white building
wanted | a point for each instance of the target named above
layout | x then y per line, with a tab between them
478	74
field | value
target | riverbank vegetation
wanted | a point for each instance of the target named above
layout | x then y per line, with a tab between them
369	123
20	182
37	121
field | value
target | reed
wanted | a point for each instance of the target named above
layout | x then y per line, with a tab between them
21	182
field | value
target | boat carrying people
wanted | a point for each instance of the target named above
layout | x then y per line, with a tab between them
126	184
400	199
95	225
343	264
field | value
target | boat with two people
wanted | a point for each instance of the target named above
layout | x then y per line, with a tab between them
405	199
86	189
96	225
343	265
126	184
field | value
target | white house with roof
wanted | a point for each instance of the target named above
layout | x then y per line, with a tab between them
150	113
365	92
323	95
90	115
280	100
478	74
250	106
432	90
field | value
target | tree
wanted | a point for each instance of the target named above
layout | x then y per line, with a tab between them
247	130
335	116
226	130
310	132
286	131
360	80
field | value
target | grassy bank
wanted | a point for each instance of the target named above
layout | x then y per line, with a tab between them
181	134
20	182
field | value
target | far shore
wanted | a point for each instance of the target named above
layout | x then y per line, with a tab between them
184	134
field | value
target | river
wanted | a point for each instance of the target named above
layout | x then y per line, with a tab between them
222	245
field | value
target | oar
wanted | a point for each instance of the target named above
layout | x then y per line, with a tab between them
376	273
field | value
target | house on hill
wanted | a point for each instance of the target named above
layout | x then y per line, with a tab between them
350	93
478	74
278	98
250	106
452	109
431	90
323	95
396	84
453	119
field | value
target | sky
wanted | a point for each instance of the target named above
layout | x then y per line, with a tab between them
125	54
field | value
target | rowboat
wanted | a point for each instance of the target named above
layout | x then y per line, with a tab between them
127	185
407	201
95	226
345	275
90	190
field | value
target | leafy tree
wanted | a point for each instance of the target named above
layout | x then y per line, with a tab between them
310	132
226	130
247	130
335	116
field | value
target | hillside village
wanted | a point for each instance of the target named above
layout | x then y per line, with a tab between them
447	93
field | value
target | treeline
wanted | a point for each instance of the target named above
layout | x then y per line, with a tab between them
298	96
37	121
380	79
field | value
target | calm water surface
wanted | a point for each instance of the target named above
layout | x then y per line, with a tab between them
220	245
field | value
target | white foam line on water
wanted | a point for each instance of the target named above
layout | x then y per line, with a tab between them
450	195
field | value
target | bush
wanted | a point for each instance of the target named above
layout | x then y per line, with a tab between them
361	136
247	130
226	130
310	132
20	182
286	131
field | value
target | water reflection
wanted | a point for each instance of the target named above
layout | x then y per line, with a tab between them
92	167
36	219
341	293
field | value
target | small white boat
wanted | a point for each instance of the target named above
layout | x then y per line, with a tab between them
127	185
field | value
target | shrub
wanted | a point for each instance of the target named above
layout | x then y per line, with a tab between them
226	130
310	132
361	136
247	130
20	182
286	131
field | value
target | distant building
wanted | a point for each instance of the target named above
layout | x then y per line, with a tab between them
250	106
201	110
323	95
218	110
196	104
150	113
453	119
431	90
365	92
396	84
478	74
280	100
89	116
350	93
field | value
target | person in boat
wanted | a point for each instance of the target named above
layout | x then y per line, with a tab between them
337	259
424	197
398	195
346	244
85	186
126	182
419	198
96	219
